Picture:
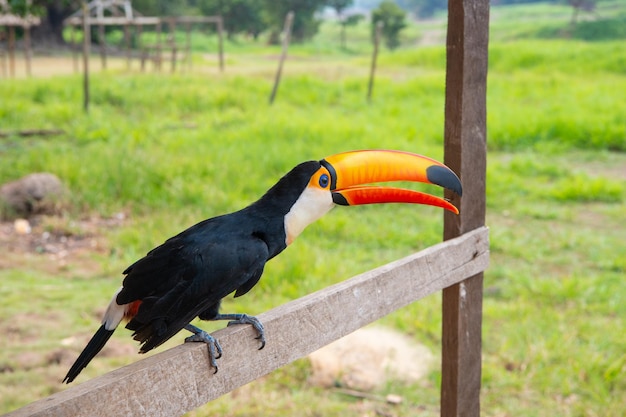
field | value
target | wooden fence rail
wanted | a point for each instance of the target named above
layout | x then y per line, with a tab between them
180	379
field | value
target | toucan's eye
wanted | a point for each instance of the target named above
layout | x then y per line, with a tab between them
324	180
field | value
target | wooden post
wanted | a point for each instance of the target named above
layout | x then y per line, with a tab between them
142	52
283	55
188	45
466	153
172	36
127	41
2	54
220	41
86	42
27	49
11	47
159	47
370	86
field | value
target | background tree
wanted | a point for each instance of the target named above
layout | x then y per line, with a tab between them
424	8
393	18
305	25
581	5
166	7
340	6
52	13
240	16
348	21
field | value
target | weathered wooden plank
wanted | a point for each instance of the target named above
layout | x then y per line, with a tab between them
465	151
180	379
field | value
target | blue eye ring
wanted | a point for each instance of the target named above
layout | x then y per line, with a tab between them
324	181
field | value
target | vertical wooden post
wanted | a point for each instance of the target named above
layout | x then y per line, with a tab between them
127	41
159	47
220	42
188	46
172	38
370	86
283	55
465	153
28	52
143	52
2	53
11	47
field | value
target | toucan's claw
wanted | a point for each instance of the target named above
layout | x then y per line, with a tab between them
199	335
246	319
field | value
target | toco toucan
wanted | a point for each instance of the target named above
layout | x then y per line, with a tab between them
188	275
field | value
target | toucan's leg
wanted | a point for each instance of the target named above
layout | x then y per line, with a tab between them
245	319
199	335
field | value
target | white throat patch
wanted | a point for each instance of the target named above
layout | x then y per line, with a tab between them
310	206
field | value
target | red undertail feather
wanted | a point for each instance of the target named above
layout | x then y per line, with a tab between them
131	310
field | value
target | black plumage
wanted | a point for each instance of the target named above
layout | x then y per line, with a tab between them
189	274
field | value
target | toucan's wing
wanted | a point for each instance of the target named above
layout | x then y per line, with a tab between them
165	266
186	276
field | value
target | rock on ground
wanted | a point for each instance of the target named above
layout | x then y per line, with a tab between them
367	358
36	193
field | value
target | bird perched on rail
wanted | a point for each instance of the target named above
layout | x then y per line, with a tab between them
188	275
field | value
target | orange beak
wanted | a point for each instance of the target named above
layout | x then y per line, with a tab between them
350	171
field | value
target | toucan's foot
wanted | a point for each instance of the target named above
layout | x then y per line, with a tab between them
199	335
245	319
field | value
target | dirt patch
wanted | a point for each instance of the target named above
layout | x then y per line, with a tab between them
61	241
23	328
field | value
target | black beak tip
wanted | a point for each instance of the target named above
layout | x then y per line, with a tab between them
339	199
445	178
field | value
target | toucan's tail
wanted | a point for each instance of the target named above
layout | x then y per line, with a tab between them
94	346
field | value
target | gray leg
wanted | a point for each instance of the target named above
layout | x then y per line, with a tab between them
245	319
199	335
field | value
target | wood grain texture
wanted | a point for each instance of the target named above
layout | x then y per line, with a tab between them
465	152
180	379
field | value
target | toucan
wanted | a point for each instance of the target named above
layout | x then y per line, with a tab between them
189	274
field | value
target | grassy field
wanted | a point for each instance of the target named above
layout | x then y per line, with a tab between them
159	152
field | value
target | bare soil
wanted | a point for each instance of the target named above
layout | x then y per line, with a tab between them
57	240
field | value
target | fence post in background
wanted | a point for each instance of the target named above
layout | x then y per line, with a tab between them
11	47
28	53
377	33
128	43
171	24
283	55
466	153
3	59
159	47
220	41
188	57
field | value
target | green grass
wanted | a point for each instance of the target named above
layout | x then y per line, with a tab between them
169	150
